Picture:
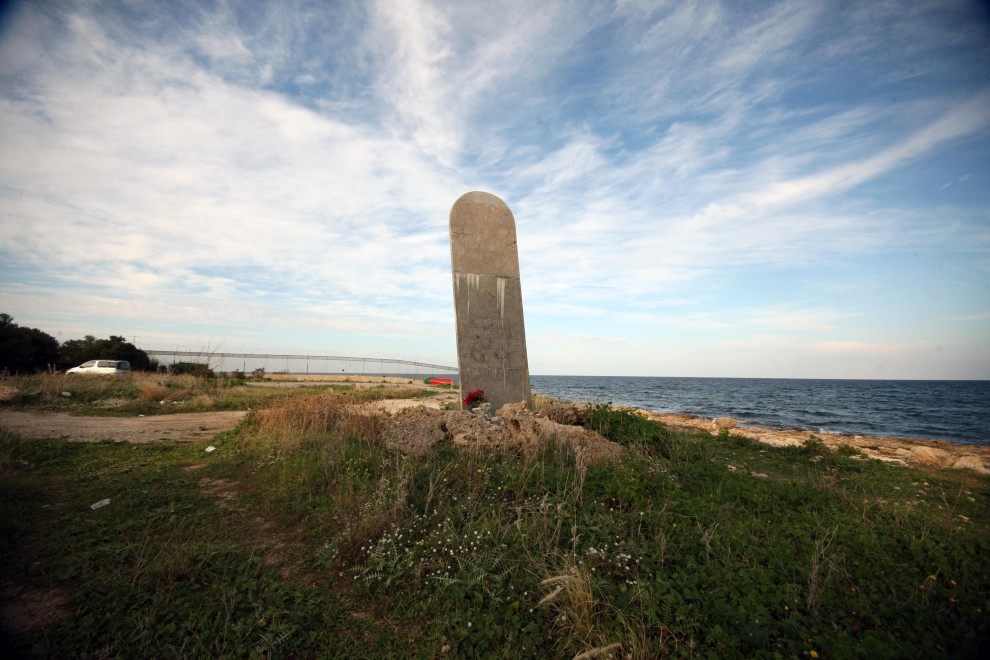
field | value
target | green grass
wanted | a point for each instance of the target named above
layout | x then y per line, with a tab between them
296	538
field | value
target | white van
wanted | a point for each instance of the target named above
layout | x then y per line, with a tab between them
103	368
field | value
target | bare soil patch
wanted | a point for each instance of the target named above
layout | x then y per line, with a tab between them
181	427
392	406
26	609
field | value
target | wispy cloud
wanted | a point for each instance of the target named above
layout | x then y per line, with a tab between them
289	164
985	316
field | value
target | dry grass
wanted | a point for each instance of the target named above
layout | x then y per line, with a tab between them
294	419
300	415
201	402
541	401
144	386
577	609
825	565
151	390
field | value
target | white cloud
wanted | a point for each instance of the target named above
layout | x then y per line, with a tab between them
235	158
964	119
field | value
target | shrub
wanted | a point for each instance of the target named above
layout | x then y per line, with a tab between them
25	350
76	351
816	447
848	451
198	369
624	426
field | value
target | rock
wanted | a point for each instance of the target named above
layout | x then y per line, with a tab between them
10	395
930	456
414	431
724	423
529	431
514	425
564	414
464	428
969	462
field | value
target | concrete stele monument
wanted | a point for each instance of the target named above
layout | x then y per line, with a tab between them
491	336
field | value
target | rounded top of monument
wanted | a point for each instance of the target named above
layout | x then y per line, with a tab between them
479	197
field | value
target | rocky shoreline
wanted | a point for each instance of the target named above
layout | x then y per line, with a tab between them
915	451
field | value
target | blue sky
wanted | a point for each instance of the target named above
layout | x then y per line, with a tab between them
765	189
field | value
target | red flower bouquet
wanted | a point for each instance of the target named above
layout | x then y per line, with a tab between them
474	398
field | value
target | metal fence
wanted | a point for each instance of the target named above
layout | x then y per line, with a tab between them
301	364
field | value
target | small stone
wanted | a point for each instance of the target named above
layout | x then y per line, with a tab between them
724	423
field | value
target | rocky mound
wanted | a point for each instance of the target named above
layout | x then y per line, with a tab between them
416	430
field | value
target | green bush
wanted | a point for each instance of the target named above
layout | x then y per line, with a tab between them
624	427
25	350
76	351
198	369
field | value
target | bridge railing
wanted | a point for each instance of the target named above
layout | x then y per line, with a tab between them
297	363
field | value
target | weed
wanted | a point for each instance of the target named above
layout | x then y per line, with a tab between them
573	599
151	390
824	564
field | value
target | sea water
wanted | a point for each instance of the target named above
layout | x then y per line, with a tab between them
958	411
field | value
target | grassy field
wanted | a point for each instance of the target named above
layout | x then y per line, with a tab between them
303	534
156	394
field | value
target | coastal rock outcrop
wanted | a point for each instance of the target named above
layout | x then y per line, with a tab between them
724	423
934	453
930	456
970	462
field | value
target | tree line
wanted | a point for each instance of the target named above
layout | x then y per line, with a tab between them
27	350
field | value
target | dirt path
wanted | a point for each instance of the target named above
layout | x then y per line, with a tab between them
183	427
392	406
